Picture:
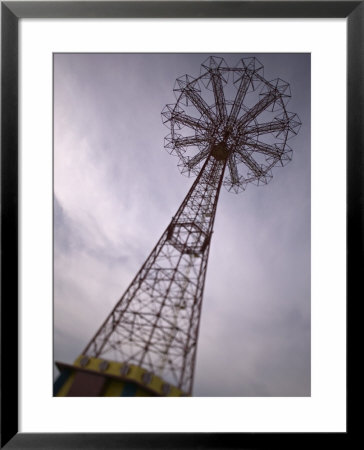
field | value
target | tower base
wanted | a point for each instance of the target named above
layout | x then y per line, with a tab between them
95	377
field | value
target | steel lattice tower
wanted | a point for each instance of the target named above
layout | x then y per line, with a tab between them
230	127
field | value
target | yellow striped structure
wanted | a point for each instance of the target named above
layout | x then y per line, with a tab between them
90	377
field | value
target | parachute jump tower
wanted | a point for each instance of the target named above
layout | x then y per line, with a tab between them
230	127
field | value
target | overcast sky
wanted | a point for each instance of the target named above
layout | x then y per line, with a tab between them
116	189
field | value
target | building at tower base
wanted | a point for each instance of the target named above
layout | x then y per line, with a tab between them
96	377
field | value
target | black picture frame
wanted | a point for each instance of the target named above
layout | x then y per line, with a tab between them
11	12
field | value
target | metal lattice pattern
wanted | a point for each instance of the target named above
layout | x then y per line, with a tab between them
238	109
239	122
155	323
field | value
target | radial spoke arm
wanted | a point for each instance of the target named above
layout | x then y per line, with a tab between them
233	171
219	94
265	149
257	109
264	128
198	158
188	140
199	102
189	121
250	162
239	98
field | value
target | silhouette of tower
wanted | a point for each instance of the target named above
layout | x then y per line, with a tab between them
230	127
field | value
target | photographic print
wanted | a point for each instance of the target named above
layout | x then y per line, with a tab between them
182	224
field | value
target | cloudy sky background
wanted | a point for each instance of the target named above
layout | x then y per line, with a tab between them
116	189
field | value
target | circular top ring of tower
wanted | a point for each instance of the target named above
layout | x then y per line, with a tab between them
231	113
